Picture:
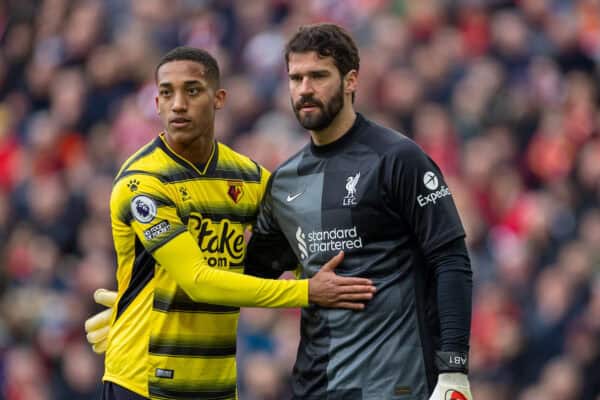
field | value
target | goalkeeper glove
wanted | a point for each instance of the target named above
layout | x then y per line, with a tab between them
97	327
452	386
453	383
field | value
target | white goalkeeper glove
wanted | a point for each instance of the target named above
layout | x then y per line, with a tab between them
97	326
453	382
452	386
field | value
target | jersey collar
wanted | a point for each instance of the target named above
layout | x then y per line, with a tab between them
200	169
342	142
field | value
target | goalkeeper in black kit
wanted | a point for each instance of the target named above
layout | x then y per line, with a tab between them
372	193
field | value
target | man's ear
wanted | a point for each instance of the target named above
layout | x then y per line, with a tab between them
219	100
351	81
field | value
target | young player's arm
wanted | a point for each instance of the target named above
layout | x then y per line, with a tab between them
184	261
325	289
151	214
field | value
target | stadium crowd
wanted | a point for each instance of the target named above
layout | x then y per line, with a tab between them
504	95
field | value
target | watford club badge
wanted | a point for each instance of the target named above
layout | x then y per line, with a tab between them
235	191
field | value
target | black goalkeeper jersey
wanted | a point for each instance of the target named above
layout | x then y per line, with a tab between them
377	196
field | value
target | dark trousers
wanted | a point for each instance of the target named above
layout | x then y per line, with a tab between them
112	391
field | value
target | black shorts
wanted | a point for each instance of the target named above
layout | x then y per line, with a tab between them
112	391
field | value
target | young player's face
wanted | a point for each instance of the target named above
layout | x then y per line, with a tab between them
187	101
316	89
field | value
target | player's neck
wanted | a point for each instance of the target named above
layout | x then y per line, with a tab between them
196	151
338	127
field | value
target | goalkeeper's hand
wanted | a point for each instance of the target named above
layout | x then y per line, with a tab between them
97	326
452	386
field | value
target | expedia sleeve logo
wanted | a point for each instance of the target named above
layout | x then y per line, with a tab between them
222	242
432	182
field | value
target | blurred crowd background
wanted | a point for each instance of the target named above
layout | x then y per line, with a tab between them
504	95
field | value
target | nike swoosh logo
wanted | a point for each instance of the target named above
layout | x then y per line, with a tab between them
294	197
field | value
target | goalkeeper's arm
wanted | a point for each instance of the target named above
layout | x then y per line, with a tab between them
452	270
269	255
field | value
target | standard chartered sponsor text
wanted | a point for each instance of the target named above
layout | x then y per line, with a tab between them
334	240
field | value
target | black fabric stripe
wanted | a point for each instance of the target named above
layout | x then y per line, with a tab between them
236	175
159	391
190	174
149	149
131	172
180	305
127	218
242	218
182	176
142	273
167	240
258	170
185	177
112	391
217	217
125	214
213	161
160	201
190	350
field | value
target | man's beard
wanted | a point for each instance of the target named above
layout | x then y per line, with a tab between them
317	121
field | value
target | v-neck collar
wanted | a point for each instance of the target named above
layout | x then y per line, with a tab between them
199	169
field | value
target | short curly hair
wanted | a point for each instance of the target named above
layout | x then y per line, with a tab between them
327	40
185	53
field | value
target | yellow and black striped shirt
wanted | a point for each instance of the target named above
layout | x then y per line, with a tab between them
178	231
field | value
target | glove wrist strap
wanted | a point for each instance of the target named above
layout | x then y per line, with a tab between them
452	361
